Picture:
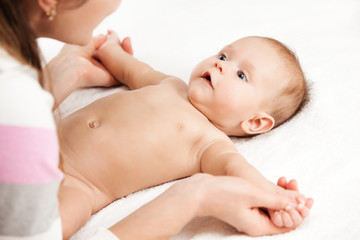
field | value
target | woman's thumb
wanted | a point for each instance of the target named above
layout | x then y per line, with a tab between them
275	201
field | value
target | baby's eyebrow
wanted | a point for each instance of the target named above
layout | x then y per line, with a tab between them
228	48
248	66
245	65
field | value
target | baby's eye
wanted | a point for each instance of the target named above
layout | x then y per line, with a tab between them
241	75
222	57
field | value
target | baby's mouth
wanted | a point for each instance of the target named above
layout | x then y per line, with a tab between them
207	78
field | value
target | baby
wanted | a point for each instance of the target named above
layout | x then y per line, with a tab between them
165	129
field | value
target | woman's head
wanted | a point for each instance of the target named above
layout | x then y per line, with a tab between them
70	21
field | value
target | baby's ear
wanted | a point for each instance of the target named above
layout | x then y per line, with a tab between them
261	123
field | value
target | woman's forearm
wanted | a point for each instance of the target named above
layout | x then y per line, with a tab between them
161	218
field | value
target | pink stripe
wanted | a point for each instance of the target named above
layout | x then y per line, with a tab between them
28	155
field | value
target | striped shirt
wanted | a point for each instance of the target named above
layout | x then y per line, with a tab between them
29	156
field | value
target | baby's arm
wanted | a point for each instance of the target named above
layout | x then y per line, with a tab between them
222	158
124	67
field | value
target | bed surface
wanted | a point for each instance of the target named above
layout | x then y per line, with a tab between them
320	147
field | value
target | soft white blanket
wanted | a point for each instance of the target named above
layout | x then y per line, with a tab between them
319	148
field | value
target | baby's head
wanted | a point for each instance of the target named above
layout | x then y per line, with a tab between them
249	87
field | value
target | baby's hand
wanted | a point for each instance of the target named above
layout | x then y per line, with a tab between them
292	216
113	40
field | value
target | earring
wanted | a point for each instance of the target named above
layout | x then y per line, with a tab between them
51	13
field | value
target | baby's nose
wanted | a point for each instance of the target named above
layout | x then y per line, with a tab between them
219	66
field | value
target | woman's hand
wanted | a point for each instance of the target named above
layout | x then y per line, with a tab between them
75	67
293	216
241	204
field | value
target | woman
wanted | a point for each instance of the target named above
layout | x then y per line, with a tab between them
29	151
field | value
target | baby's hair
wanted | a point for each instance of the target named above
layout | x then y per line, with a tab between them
295	96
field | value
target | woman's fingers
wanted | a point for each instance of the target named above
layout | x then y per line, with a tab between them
295	216
258	224
276	218
286	219
273	201
306	209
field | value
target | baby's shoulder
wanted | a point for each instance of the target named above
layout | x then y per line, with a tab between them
213	136
173	86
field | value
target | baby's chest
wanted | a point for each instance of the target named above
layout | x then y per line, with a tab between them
168	137
156	135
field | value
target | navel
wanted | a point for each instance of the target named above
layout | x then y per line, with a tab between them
94	124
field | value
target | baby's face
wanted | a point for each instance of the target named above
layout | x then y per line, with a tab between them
235	84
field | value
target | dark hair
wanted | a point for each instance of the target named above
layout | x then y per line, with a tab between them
16	35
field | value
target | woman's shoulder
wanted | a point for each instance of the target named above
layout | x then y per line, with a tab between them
9	64
21	96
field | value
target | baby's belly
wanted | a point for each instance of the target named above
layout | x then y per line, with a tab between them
123	154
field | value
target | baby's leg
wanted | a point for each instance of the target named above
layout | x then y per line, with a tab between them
76	200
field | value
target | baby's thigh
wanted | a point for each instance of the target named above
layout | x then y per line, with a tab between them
76	202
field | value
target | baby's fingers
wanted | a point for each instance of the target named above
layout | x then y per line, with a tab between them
112	36
289	185
97	42
292	185
282	182
126	45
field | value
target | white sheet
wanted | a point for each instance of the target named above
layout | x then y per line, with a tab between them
320	148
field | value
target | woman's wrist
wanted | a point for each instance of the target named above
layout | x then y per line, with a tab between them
164	216
61	82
